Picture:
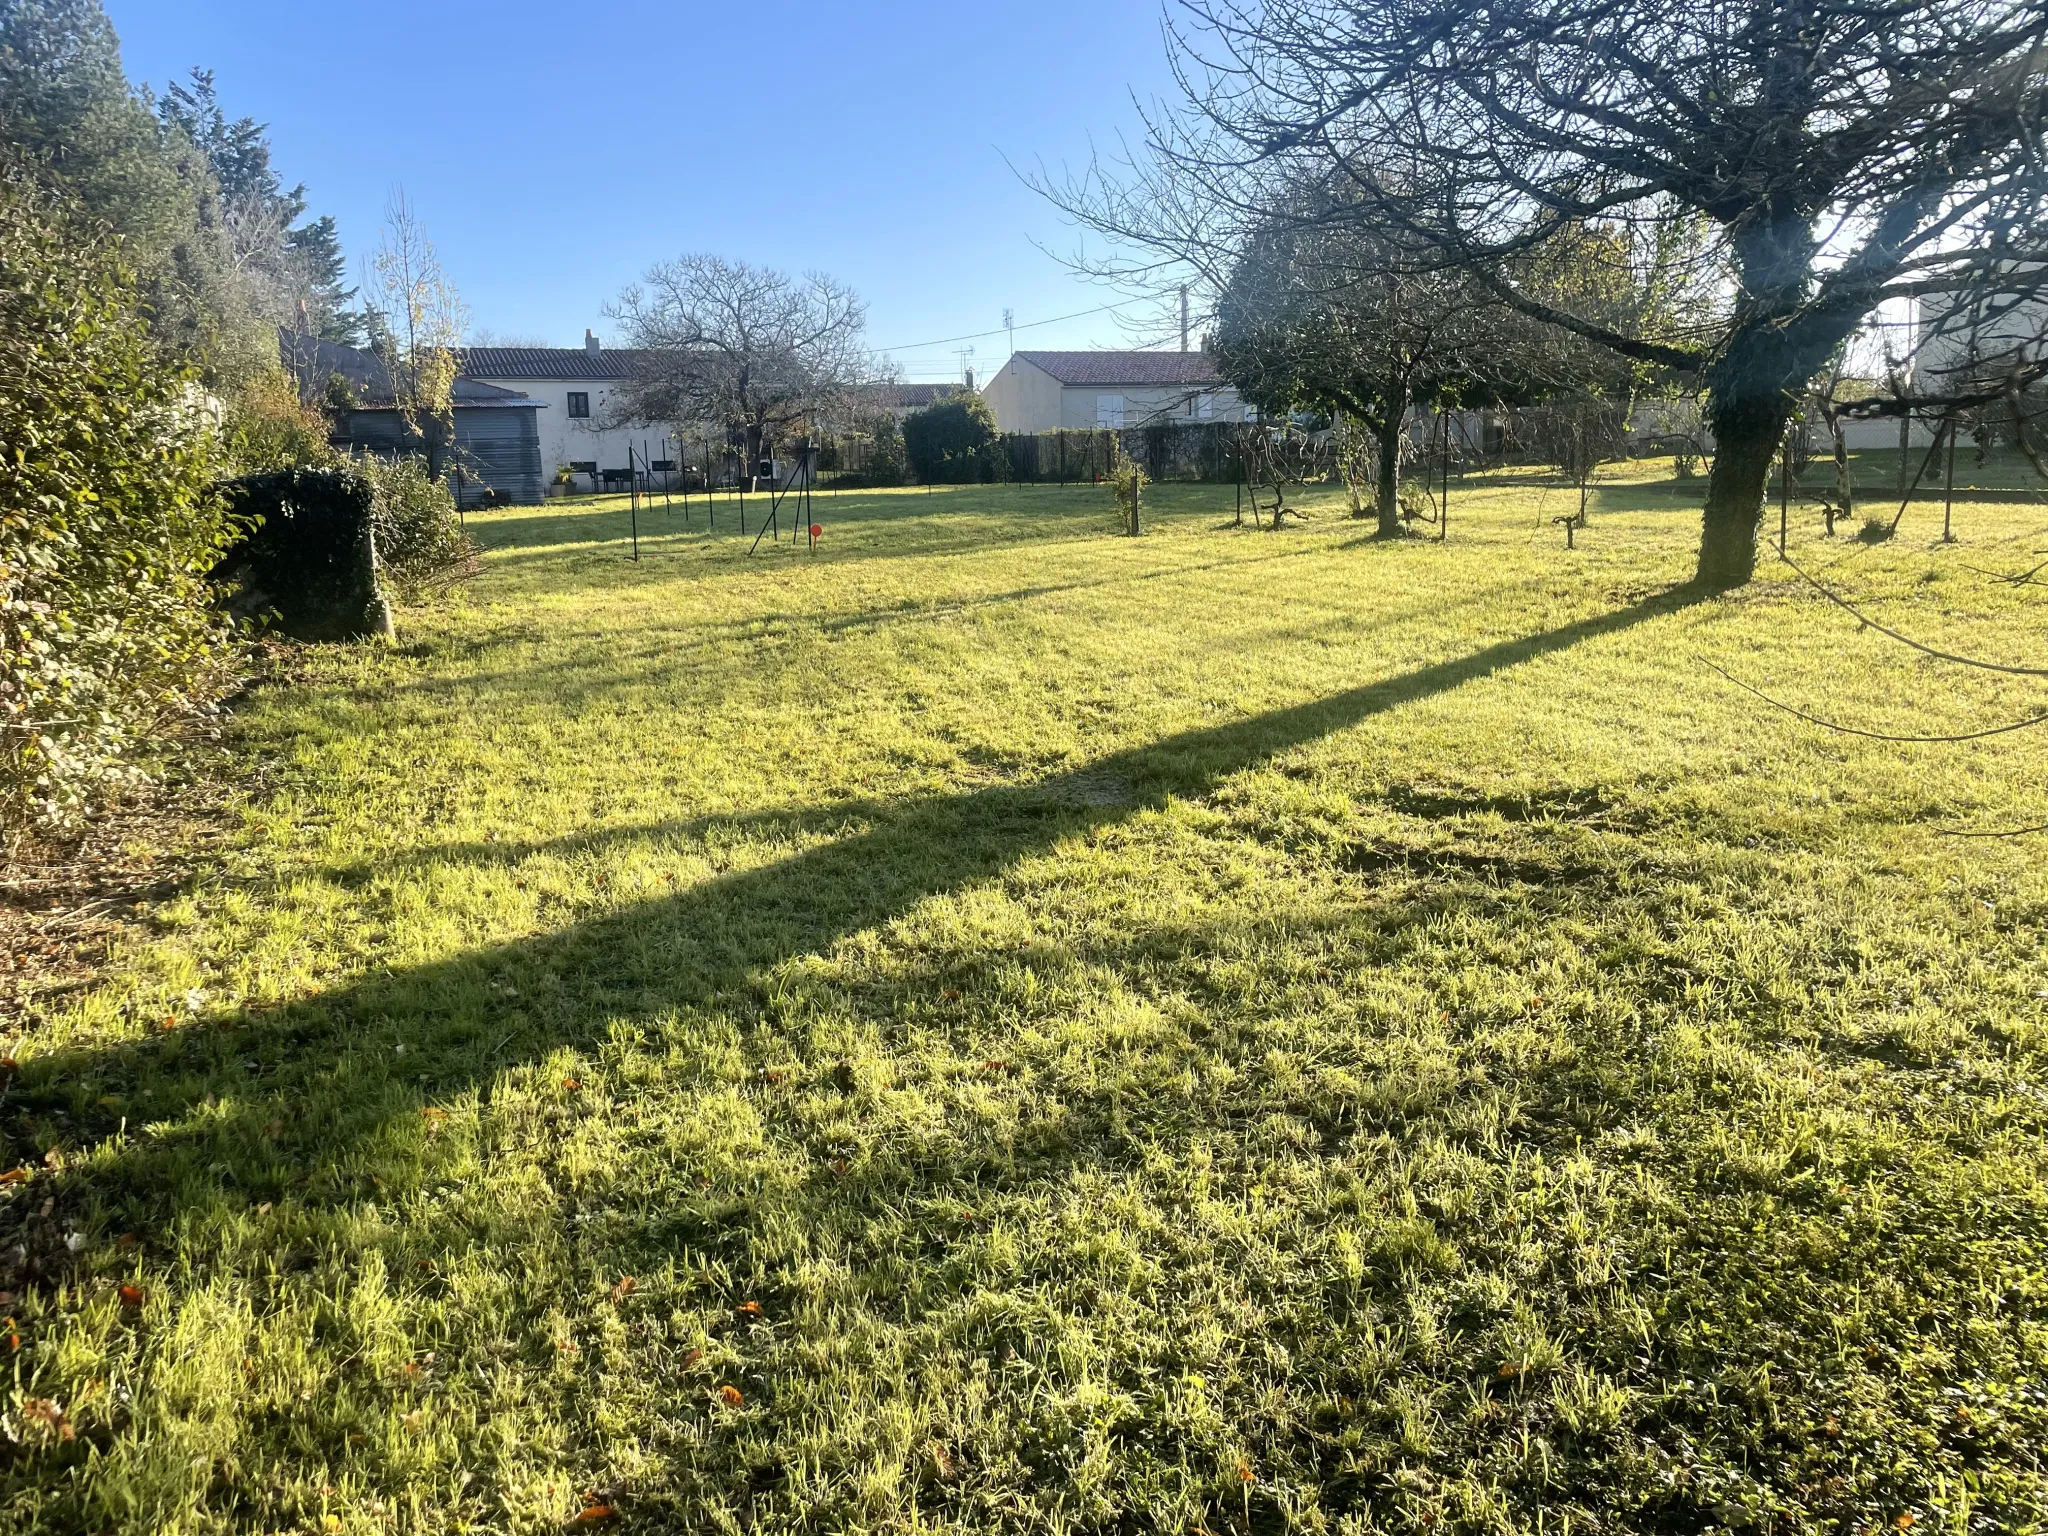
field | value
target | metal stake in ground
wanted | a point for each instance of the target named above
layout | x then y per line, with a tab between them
1784	492
1948	495
633	497
1443	512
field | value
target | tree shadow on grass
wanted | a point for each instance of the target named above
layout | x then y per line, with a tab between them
317	1079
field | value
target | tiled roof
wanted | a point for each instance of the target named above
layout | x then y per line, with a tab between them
573	363
914	397
1100	368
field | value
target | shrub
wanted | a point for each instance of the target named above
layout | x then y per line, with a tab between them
107	522
887	462
268	426
307	563
420	543
948	440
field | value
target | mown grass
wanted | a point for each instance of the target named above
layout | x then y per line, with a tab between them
994	1026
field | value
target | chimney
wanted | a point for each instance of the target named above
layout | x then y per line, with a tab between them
970	378
590	341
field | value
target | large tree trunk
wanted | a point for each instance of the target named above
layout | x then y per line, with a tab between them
1771	355
1395	404
1747	432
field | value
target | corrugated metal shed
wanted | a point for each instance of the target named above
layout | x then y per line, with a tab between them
497	447
497	430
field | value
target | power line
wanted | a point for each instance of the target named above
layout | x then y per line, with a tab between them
911	346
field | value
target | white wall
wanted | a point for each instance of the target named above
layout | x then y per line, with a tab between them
1146	405
1024	397
564	440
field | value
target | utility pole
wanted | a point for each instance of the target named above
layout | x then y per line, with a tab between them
1010	327
1183	317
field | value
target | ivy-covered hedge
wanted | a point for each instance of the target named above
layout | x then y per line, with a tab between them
307	564
107	523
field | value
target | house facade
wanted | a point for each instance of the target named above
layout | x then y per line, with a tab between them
1079	391
576	385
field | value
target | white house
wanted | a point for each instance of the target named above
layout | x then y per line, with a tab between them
1045	391
576	384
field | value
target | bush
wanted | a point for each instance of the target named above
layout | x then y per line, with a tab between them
887	462
307	563
948	441
268	426
107	522
420	543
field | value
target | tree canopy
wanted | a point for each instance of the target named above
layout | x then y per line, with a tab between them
739	347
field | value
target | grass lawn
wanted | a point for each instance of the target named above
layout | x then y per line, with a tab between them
994	1026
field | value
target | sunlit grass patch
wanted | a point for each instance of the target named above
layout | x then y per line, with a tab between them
992	1025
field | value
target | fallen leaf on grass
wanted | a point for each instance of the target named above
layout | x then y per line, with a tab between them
1245	1474
692	1358
732	1397
623	1289
749	1309
131	1297
951	994
46	1412
13	1335
1905	1520
572	1084
17	1175
593	1514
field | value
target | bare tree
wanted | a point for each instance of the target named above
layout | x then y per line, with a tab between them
740	347
416	322
1846	153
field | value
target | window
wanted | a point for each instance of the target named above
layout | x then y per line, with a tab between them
1205	407
1109	410
579	405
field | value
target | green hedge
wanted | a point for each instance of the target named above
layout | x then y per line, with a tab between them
107	524
307	565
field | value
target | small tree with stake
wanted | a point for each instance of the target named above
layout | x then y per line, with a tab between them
1127	481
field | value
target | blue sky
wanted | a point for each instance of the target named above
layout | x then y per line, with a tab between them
555	150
